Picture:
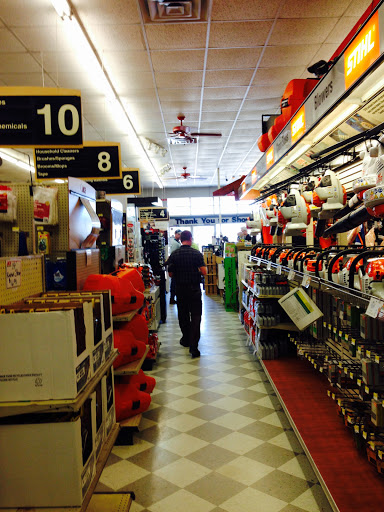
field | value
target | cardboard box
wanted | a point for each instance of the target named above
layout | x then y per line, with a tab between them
108	391
94	331
46	460
44	355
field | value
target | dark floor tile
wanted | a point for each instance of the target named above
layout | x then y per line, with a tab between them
158	433
239	371
212	457
254	411
261	430
207	412
150	489
243	382
201	371
112	459
281	485
290	508
206	383
215	488
205	397
209	432
164	398
100	488
271	455
162	413
153	458
249	395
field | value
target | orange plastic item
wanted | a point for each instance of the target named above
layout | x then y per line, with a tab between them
130	349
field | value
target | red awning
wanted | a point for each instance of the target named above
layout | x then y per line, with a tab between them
232	189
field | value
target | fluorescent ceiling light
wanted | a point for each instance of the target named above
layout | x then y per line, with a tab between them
298	152
373	90
94	66
16	161
343	116
58	180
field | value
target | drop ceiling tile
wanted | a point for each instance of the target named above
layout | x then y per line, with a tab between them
218	116
220	78
28	79
299	31
113	12
313	8
357	7
244	9
342	28
325	53
58	62
181	60
262	105
265	91
248	124
126	61
180	94
26	14
191	119
9	43
44	39
125	82
180	106
218	105
282	56
251	115
280	76
178	36
18	63
179	80
233	58
116	38
222	127
133	94
242	33
219	93
77	81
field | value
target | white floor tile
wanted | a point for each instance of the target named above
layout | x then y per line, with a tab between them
182	472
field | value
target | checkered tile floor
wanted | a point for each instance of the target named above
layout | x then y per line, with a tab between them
215	437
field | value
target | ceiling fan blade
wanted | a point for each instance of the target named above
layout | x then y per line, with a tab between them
196	178
205	134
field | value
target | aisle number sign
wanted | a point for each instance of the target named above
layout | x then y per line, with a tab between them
40	116
129	184
95	160
362	52
155	213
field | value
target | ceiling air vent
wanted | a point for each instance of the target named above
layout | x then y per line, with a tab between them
160	11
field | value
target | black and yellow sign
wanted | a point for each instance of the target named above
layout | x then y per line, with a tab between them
96	160
40	116
129	184
153	213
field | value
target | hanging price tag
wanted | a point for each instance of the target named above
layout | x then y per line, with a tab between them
306	281
374	307
291	275
278	270
258	262
269	265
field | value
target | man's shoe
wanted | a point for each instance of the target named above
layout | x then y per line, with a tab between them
184	343
195	353
172	301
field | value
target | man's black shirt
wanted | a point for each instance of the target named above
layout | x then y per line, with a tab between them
184	265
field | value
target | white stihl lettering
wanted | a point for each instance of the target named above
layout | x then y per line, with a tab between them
361	51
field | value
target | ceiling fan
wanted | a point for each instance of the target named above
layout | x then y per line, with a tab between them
182	134
185	176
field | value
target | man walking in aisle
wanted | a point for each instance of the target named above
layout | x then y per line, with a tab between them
175	244
186	266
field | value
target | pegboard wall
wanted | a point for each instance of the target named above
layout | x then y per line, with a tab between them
60	233
24	222
31	279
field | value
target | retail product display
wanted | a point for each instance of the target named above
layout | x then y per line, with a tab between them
130	349
45	208
8	204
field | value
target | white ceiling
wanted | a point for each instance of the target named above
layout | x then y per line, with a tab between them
222	74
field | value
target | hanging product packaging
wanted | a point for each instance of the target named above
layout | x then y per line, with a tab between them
300	308
8	204
43	242
45	209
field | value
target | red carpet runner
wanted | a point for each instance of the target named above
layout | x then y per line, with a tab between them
353	483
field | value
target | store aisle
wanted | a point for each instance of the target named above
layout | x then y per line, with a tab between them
215	437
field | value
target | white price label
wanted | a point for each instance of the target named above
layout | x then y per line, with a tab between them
269	265
258	262
291	275
374	307
306	281
278	270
